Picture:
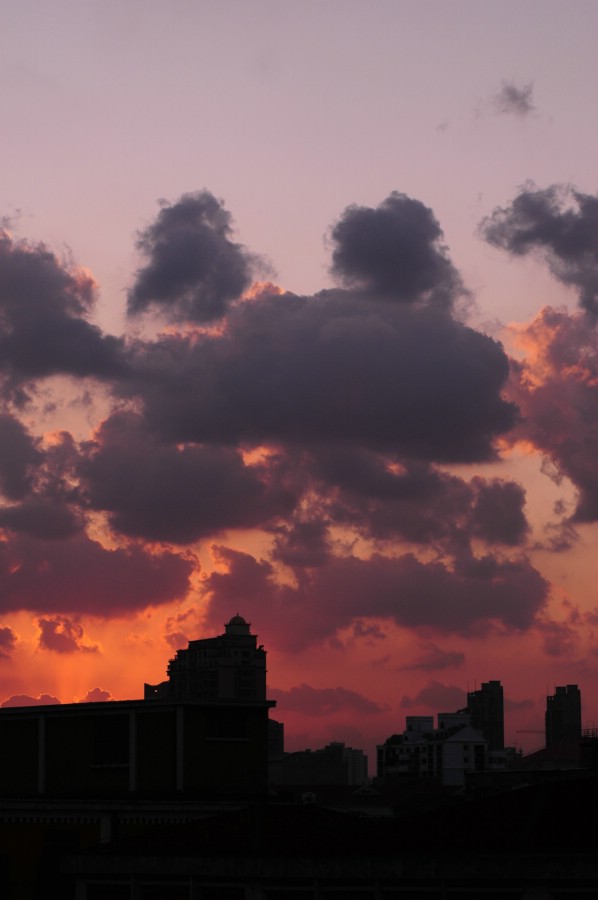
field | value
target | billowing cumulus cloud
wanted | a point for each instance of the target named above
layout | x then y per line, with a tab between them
561	224
78	574
324	701
329	368
18	456
302	543
97	695
468	598
161	491
385	499
44	305
41	517
316	422
63	635
26	700
498	515
193	268
394	250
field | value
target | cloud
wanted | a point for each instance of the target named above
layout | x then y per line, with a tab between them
556	387
437	696
319	420
559	223
394	250
96	695
498	515
515	100
465	599
386	500
193	269
516	705
164	492
328	369
18	456
303	543
41	517
324	701
62	635
559	639
26	700
434	658
79	575
8	640
44	303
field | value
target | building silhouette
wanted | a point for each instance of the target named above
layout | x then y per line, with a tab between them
333	764
229	667
563	715
486	708
445	754
201	733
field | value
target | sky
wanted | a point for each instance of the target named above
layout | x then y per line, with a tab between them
299	320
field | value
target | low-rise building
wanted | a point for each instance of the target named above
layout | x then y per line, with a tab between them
445	753
204	732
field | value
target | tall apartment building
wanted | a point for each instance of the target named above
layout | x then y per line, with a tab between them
486	708
230	666
563	715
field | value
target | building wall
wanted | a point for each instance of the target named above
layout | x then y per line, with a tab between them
119	748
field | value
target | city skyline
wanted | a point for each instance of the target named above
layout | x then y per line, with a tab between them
298	321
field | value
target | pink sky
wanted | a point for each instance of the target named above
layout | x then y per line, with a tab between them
384	455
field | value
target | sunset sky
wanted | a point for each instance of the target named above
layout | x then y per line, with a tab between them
299	319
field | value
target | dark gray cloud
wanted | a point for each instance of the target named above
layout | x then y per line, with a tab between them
561	224
79	575
40	478
470	597
19	455
515	100
385	498
498	515
329	369
300	416
42	517
8	640
193	268
63	635
44	303
438	697
324	701
302	543
394	250
163	492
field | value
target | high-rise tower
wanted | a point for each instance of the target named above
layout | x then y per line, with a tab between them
563	715
486	708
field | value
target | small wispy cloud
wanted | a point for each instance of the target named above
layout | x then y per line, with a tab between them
514	100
